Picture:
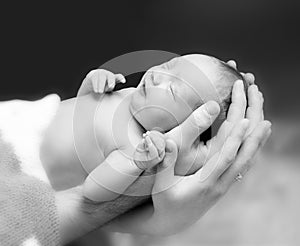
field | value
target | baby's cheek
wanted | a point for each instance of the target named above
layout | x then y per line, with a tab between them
165	121
161	120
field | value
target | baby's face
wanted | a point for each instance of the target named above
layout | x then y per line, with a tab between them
168	93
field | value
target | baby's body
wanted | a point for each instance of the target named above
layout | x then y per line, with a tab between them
94	131
59	152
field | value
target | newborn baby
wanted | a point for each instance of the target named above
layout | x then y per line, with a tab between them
115	136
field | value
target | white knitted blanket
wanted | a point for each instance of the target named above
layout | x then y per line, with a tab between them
28	214
22	125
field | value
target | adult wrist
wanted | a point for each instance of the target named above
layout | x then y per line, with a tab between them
72	223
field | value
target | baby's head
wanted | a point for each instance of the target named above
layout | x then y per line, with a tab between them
168	93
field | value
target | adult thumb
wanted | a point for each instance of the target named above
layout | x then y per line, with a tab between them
200	120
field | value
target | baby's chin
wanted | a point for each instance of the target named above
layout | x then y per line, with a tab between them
151	121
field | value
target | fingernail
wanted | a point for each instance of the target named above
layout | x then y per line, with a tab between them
123	80
212	107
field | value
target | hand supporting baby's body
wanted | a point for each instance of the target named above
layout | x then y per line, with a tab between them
165	97
165	201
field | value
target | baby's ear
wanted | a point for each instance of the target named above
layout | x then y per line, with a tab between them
224	106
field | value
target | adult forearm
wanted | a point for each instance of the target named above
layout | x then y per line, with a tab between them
79	216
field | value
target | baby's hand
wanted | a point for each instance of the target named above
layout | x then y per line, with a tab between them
151	151
100	81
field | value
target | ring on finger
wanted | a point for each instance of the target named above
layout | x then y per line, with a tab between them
239	177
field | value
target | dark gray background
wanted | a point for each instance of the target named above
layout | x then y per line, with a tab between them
48	47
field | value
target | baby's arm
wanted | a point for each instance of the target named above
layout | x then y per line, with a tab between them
100	81
112	177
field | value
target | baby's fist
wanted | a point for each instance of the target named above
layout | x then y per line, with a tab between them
103	80
151	151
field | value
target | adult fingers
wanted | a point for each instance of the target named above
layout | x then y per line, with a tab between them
243	162
255	107
225	157
237	108
262	111
200	120
236	113
266	137
165	176
249	77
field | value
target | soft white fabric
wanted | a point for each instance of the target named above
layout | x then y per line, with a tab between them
22	124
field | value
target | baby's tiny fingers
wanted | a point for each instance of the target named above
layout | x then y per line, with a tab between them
95	85
91	74
141	147
153	153
92	79
120	78
101	82
158	139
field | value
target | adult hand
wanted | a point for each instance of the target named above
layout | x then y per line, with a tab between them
193	153
180	201
208	191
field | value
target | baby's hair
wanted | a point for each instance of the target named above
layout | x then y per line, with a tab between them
224	84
